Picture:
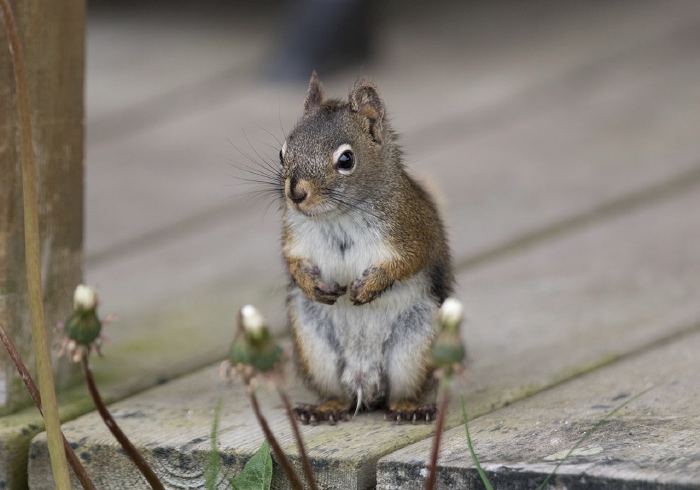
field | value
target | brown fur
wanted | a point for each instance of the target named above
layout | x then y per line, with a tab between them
412	241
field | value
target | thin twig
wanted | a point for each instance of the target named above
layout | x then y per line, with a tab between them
440	424
33	257
281	457
111	424
73	460
300	443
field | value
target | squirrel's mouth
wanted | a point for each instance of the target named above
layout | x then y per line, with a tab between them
309	211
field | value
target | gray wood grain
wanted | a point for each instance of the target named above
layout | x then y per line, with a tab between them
547	126
538	318
650	443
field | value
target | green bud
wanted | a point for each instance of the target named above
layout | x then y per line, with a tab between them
83	327
240	352
253	345
266	357
448	348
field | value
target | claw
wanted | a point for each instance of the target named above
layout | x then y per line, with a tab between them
405	412
331	412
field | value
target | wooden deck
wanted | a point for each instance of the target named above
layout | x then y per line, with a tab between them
565	137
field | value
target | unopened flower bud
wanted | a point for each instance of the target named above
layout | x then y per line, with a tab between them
448	348
253	345
84	298
83	328
239	352
253	322
451	314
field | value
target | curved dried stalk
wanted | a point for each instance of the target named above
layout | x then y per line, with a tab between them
300	443
73	460
281	457
118	434
440	424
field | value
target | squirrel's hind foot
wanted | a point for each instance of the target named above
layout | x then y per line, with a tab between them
331	411
406	411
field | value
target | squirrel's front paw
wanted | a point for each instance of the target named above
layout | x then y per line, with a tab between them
365	289
328	293
309	281
359	294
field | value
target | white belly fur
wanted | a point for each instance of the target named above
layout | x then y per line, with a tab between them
371	347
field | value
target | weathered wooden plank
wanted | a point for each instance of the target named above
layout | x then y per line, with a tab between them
543	166
54	69
141	164
651	443
136	54
538	318
54	60
463	60
493	88
146	65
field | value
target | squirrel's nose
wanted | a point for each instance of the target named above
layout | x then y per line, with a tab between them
296	193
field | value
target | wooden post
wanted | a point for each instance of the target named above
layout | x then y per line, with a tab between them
53	36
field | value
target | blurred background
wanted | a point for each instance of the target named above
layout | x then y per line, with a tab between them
562	137
524	114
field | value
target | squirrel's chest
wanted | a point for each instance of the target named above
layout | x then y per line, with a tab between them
342	249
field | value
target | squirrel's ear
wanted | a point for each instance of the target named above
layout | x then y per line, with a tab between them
314	96
365	100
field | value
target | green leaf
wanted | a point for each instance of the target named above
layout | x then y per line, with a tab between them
257	473
482	474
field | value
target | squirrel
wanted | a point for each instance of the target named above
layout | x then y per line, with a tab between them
368	261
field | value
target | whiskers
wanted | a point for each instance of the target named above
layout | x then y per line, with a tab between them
261	175
260	179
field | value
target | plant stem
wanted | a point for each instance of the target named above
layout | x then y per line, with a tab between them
440	424
33	257
73	460
300	443
281	457
126	444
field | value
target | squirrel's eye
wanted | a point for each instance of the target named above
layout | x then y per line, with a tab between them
281	157
344	160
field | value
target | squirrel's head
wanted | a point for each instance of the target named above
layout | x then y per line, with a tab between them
341	156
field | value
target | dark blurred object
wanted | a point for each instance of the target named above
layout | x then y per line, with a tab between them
322	35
